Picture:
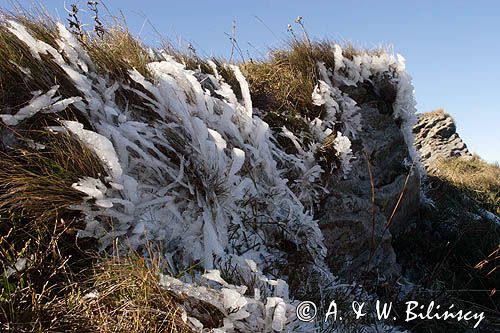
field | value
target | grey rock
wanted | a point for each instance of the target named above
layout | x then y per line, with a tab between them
436	138
354	223
357	240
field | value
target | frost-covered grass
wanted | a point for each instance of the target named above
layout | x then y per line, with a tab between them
38	250
36	180
219	165
282	84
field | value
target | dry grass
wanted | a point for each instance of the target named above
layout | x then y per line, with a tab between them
439	111
52	293
16	60
454	250
478	178
37	226
117	52
280	85
48	294
283	84
52	263
36	184
101	295
114	54
120	295
490	264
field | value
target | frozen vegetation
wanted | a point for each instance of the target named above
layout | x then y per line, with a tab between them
205	177
199	174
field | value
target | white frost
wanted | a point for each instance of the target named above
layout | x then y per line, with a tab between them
205	177
100	145
37	103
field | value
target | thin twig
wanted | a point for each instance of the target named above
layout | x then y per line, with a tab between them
400	195
395	208
372	185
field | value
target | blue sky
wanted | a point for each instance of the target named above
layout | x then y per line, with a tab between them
452	48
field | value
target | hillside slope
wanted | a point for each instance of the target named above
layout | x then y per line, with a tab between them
229	191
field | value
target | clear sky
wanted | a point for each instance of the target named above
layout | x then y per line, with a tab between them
452	47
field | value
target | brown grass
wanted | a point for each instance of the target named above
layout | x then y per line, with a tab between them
283	84
121	295
36	224
36	184
117	52
475	176
113	54
59	294
35	195
16	86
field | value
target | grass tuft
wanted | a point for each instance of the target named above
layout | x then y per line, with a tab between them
40	255
117	52
481	180
120	295
36	184
283	84
21	73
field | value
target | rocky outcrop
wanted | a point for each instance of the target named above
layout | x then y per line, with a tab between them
436	137
356	229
